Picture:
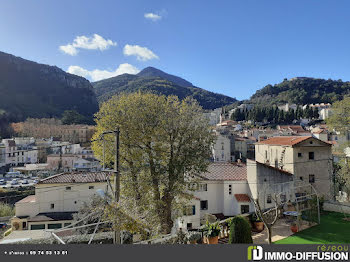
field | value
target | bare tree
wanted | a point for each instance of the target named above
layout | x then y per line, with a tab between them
267	216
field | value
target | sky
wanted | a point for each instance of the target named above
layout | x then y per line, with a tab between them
229	47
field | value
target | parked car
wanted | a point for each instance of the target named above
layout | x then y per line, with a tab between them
3	225
2	182
35	181
25	182
14	182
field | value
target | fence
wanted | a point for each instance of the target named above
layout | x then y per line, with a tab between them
341	207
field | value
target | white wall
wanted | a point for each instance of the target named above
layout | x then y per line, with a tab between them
64	200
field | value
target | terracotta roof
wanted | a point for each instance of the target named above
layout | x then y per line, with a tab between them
76	177
225	171
284	140
28	199
242	198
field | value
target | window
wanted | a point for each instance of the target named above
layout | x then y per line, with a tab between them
37	227
52	206
244	209
54	226
230	189
204	205
301	178
311	155
189	225
265	154
283	198
66	224
300	155
311	178
68	188
190	210
269	200
91	187
202	187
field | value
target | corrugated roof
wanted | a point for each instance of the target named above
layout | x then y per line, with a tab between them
225	171
242	198
76	177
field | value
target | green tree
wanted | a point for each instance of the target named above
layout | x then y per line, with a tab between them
70	117
339	121
240	231
161	140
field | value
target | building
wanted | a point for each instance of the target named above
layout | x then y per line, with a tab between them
221	149
222	191
56	199
244	148
307	158
321	134
267	183
286	107
19	154
47	128
325	113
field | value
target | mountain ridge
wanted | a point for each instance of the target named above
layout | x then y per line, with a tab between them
31	89
155	80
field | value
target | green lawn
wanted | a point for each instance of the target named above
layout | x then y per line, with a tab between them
332	230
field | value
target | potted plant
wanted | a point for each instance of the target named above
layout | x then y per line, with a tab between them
258	224
212	232
194	237
294	227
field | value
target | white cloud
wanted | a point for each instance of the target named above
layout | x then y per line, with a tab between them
83	42
97	74
152	16
141	53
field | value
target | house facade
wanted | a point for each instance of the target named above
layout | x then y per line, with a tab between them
222	191
307	158
56	199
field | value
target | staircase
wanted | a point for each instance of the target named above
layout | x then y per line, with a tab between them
281	158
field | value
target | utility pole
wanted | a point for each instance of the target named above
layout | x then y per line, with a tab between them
116	233
60	161
117	239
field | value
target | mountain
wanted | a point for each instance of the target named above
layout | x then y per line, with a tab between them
154	72
301	90
154	80
29	89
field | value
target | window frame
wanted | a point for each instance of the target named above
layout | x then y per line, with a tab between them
204	201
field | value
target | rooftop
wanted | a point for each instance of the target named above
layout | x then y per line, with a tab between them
76	177
225	172
28	199
284	140
52	216
242	198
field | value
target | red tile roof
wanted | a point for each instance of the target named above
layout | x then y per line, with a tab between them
76	177
242	198
284	140
225	171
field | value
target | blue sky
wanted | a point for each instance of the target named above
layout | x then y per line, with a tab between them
229	47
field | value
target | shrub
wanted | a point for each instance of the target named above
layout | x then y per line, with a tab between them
240	231
6	210
194	236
